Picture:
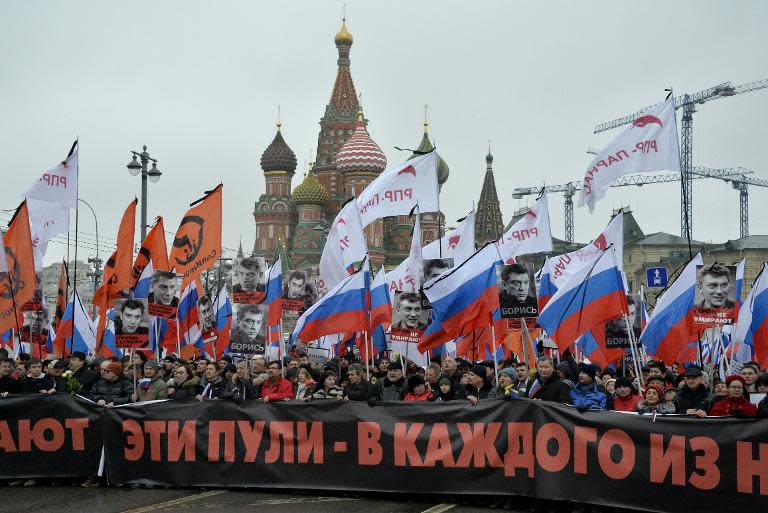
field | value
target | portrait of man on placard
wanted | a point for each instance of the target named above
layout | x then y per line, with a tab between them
131	322
165	288
432	268
715	296
249	280
35	327
517	291
616	335
248	330
408	313
206	315
299	292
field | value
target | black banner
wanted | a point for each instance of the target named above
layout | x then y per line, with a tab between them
519	447
49	436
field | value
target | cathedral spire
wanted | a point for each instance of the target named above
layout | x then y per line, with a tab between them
488	224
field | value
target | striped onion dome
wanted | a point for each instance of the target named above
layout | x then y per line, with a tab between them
278	156
310	191
360	153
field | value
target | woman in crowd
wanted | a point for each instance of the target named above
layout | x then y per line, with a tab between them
506	388
326	387
720	390
304	384
113	389
446	390
626	397
418	390
185	383
653	401
152	386
736	404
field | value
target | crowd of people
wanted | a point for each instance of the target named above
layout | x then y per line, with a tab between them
113	382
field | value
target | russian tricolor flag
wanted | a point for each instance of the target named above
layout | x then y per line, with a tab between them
547	287
223	325
108	344
740	280
464	298
189	327
274	301
670	327
343	309
592	295
77	331
143	284
381	304
752	325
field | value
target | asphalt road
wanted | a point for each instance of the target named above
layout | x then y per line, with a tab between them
71	499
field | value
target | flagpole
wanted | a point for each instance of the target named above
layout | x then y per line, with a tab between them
368	356
157	342
495	360
77	225
633	351
178	337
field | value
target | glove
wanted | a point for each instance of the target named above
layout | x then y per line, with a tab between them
582	408
740	415
371	402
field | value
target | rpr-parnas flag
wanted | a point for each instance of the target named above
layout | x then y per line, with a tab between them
344	246
530	234
397	190
648	144
59	184
458	244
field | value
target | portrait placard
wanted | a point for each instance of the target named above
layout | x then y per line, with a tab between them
131	323
164	293
248	280
248	329
517	291
715	296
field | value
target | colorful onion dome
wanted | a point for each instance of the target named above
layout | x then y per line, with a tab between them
278	156
310	191
360	153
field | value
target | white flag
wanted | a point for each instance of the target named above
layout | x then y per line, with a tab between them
648	144
563	267
398	189
459	244
531	234
406	277
46	220
59	184
344	246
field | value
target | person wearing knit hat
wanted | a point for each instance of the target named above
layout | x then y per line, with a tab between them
152	386
113	389
625	398
653	400
736	404
586	395
418	389
446	390
507	388
478	386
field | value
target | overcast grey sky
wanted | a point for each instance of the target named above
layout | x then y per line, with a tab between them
200	82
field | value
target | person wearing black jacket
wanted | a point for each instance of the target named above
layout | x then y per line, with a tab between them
81	372
185	384
694	398
217	387
391	388
478	386
358	389
113	389
36	382
8	385
242	386
547	385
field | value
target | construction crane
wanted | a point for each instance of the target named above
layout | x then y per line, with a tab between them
738	177
688	103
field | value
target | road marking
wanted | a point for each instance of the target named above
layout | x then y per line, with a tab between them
176	502
301	500
439	508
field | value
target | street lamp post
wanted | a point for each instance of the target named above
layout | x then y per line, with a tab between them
154	175
96	274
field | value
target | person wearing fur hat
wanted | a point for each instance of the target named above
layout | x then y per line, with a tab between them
507	387
626	398
736	404
113	389
185	383
392	387
586	395
418	390
151	387
653	401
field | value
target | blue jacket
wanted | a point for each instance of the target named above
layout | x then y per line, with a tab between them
588	396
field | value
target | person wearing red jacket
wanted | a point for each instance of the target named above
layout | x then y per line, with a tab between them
276	388
418	390
735	404
625	398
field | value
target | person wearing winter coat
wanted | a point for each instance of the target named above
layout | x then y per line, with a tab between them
736	404
507	388
358	389
547	385
445	389
326	387
276	387
152	386
694	398
418	390
653	401
586	395
185	383
36	381
625	398
113	389
390	388
216	386
242	386
304	384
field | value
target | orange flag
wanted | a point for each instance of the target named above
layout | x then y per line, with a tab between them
119	268
18	280
62	294
154	250
197	244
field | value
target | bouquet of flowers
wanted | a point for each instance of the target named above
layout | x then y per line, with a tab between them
73	385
